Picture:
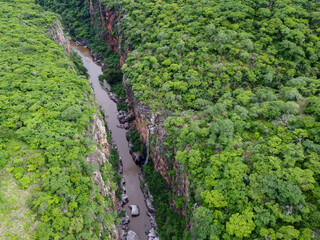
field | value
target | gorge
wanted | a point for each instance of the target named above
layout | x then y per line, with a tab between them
139	224
225	94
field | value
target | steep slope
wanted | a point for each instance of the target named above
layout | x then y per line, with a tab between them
53	141
232	96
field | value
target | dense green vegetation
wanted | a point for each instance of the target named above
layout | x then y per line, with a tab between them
247	74
114	78
172	225
45	108
238	83
76	18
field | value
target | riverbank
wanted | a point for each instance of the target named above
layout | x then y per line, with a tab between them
139	224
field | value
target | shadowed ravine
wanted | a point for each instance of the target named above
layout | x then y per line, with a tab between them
139	224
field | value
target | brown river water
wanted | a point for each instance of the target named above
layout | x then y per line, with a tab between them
141	223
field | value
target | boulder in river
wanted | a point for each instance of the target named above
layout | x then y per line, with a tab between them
152	235
124	222
113	97
132	235
149	205
135	210
124	199
121	126
123	182
136	157
123	234
120	170
122	117
152	220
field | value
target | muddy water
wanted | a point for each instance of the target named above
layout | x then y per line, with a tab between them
141	223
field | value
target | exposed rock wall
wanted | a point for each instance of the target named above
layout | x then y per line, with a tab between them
106	22
57	34
145	119
96	133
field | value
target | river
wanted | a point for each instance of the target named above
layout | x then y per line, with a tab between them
141	223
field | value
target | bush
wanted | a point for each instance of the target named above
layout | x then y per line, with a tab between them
71	113
112	75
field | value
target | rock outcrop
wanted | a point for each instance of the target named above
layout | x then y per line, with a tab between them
145	120
57	34
135	210
132	235
96	133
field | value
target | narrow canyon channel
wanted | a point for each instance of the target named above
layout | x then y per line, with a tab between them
141	223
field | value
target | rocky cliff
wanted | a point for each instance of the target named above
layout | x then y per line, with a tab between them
97	133
102	148
105	20
56	32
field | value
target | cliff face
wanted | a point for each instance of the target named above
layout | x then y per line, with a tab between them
104	19
146	121
57	34
96	133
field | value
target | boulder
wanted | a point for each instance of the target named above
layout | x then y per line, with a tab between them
123	234
123	181
124	222
136	157
122	117
152	235
121	126
113	97
132	235
124	199
149	205
135	210
120	170
152	220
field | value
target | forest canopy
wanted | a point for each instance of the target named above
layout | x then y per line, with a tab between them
46	107
238	84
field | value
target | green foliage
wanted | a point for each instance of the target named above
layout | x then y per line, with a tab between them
238	84
71	113
171	225
112	76
202	222
246	72
3	158
16	221
136	140
241	225
81	70
46	106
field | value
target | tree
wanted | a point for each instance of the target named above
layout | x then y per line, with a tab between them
213	198
241	225
71	113
202	220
